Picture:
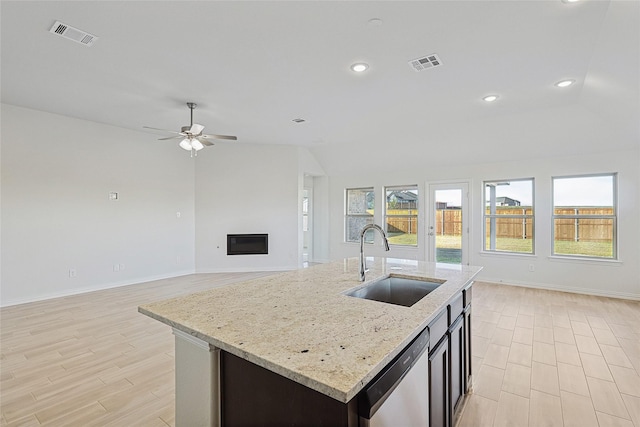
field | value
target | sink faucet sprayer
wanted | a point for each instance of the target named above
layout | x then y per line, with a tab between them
385	242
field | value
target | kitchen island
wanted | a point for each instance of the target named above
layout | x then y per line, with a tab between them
301	327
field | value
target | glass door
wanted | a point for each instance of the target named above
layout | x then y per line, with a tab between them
448	224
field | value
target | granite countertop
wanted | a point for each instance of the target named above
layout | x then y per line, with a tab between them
300	324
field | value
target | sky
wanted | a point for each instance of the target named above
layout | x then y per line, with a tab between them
517	190
578	191
584	191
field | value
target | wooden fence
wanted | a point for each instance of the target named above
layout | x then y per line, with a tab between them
513	228
406	224
584	229
449	223
566	229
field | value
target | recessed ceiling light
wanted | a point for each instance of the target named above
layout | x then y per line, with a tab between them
565	83
359	67
374	22
490	98
570	1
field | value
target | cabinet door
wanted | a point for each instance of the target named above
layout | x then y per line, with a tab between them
254	396
439	385
456	359
467	349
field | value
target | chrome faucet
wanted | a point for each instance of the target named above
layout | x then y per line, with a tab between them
385	242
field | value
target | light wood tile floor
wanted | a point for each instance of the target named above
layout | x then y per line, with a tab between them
540	358
92	359
544	358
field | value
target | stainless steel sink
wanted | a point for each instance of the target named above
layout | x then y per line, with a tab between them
396	290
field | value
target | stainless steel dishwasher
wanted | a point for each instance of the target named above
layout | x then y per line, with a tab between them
399	395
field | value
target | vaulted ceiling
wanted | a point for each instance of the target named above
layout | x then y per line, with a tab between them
253	67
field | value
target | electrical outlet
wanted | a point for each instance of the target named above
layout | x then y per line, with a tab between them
72	272
532	267
116	267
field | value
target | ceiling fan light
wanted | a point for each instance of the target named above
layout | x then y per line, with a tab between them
185	144
197	145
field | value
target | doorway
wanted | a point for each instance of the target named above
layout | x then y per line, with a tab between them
448	223
307	221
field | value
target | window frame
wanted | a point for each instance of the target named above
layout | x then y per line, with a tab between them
524	217
347	215
409	187
613	217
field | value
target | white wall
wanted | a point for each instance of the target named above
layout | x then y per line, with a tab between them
621	279
57	173
247	188
57	217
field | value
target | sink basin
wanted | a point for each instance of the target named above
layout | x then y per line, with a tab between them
396	290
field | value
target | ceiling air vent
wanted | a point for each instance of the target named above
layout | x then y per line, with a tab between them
425	62
74	34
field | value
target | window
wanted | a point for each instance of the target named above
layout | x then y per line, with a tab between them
584	216
359	208
401	215
508	216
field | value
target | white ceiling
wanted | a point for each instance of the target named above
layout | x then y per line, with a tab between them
252	67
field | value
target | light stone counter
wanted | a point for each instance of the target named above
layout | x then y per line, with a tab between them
300	324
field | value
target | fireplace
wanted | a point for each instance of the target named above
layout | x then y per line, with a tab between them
247	244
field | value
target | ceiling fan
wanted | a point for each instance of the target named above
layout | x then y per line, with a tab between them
192	138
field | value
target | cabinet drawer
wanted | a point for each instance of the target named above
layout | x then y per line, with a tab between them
466	296
437	329
455	309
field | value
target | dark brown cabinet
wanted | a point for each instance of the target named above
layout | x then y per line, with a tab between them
439	384
254	396
456	357
467	350
450	360
467	339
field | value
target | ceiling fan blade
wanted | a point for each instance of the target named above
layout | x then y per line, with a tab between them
196	129
205	141
171	137
231	137
163	130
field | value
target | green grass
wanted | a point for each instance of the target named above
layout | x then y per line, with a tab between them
595	249
513	245
449	256
403	239
448	242
591	249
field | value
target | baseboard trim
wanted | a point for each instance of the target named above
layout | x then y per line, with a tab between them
570	289
321	260
87	289
244	269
